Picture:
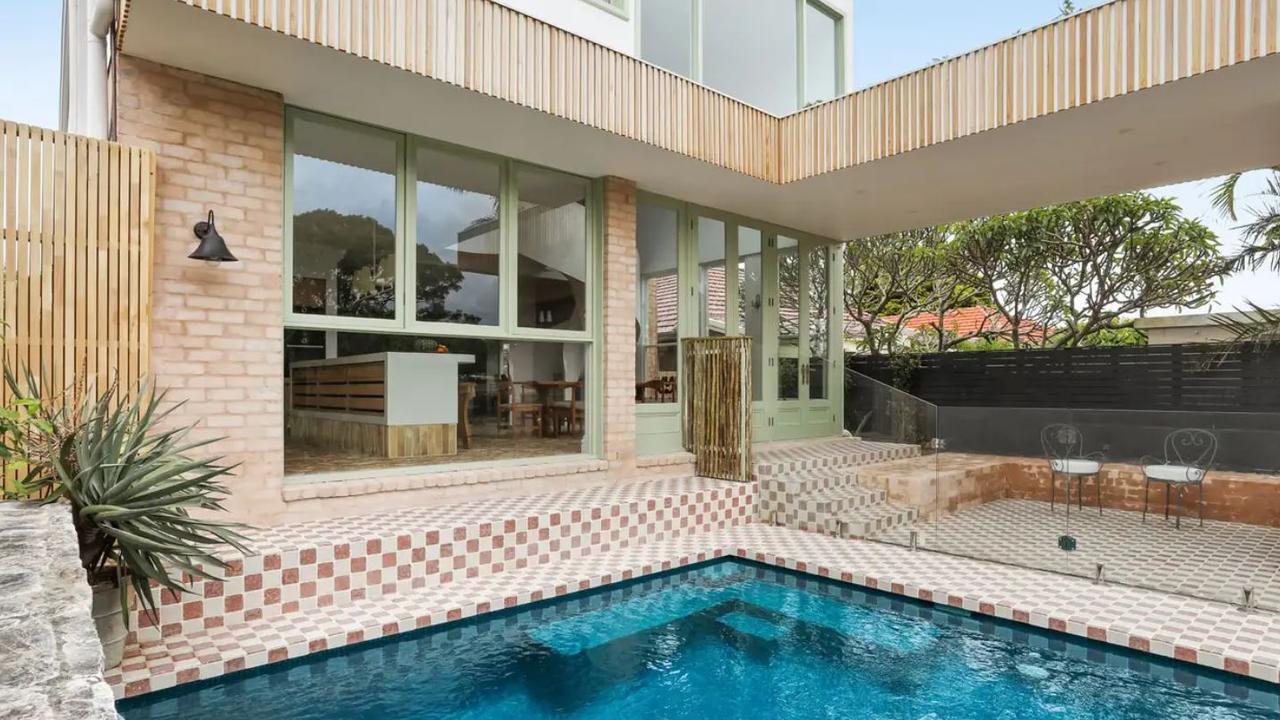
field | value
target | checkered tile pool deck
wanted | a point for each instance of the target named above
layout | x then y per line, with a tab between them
1214	562
1211	634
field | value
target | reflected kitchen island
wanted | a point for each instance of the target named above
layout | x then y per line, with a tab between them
392	405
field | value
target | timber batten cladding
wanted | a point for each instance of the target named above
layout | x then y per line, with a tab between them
1121	47
76	237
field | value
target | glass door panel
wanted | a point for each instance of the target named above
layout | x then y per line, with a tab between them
789	318
751	301
819	319
712	298
657	303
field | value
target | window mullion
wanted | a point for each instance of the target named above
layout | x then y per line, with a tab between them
407	220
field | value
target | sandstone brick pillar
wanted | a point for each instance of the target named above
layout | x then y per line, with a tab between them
217	331
619	326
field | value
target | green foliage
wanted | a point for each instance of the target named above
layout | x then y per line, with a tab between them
1262	231
1059	276
132	487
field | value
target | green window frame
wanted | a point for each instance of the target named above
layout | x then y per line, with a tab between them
406	237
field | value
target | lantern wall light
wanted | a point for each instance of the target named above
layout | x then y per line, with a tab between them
212	247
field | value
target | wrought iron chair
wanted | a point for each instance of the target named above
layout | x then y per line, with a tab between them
1188	455
1064	449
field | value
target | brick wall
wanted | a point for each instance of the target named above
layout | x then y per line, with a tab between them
216	331
619	326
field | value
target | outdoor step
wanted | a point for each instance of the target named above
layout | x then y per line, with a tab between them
213	652
782	460
820	504
303	567
797	484
873	520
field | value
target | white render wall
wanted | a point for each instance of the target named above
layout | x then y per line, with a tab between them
585	19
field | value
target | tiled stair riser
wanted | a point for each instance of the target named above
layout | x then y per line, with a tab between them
321	574
785	474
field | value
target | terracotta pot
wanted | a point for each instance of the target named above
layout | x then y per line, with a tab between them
108	616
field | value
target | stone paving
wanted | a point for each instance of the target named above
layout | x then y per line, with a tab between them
50	657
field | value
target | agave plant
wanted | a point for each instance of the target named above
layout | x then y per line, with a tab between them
132	485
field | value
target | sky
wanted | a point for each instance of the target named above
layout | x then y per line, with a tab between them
891	37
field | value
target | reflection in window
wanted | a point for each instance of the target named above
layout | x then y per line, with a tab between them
457	261
657	303
360	401
552	239
344	220
666	34
711	280
749	51
788	319
821	77
750	301
818	327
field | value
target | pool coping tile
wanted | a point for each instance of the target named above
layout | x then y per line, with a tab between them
1217	635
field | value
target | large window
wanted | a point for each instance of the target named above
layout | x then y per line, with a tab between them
344	220
778	55
437	305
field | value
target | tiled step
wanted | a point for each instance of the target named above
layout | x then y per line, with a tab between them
827	454
164	662
813	509
871	521
798	484
305	567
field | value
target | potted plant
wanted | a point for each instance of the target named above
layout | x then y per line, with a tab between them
132	487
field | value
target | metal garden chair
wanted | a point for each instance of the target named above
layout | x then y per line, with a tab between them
1064	448
1188	455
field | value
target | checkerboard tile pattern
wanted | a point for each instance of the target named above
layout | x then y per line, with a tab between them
1197	631
797	478
1214	562
333	564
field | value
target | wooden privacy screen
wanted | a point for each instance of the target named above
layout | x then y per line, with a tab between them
76	233
717	406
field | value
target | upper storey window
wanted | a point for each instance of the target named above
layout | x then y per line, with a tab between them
778	55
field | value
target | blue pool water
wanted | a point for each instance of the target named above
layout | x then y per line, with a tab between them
726	640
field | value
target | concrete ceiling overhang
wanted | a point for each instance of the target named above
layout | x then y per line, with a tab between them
1200	126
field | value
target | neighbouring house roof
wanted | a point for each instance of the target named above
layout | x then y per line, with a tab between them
975	320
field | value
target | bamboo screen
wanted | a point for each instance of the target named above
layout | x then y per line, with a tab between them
717	406
76	234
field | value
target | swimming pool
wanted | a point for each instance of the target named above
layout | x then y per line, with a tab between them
724	640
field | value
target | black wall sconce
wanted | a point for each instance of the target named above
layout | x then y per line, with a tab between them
212	247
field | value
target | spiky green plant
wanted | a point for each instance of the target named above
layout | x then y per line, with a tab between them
132	485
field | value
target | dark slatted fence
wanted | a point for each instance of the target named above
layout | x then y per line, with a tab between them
1124	400
1155	377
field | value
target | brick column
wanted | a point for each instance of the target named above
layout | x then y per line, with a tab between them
619	326
217	331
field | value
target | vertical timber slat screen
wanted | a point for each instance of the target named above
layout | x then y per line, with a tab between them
76	236
717	406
